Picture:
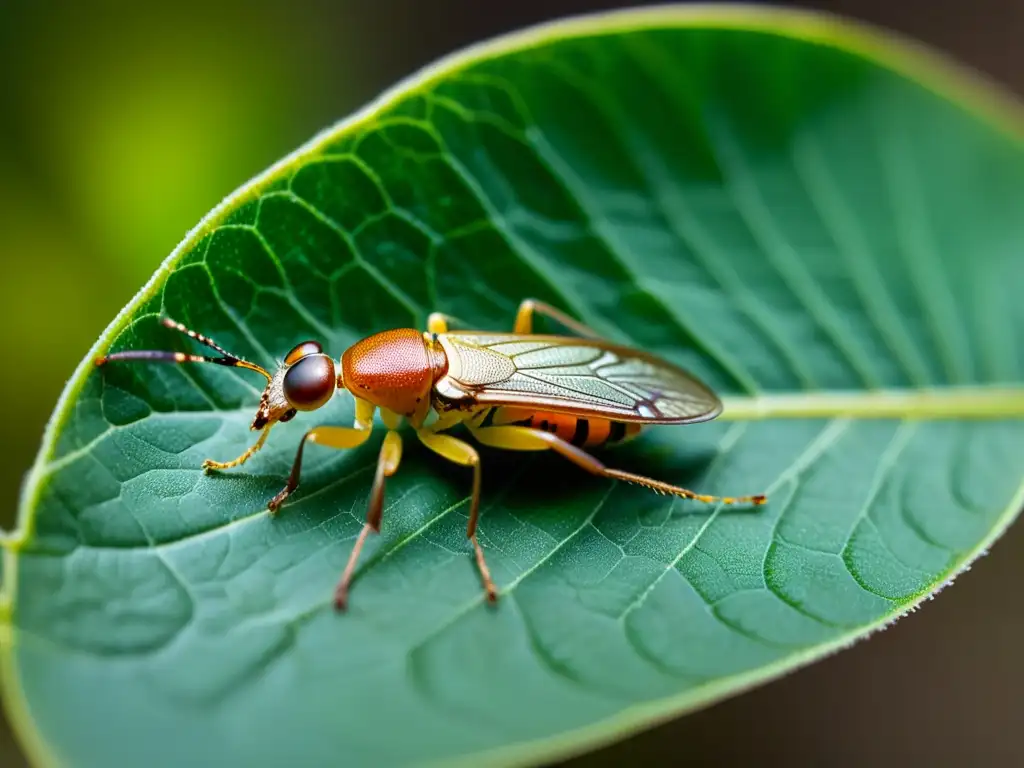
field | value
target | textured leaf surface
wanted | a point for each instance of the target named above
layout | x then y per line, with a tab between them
772	207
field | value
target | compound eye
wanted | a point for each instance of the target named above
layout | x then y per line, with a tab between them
302	350
310	382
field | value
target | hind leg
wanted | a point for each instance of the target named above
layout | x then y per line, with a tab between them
513	438
463	453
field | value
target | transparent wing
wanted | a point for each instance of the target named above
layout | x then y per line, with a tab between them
572	375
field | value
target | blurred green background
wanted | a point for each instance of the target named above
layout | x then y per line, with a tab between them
123	124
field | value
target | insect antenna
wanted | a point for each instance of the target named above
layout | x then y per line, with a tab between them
160	356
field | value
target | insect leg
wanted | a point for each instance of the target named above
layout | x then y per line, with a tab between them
437	322
211	464
331	437
524	319
526	439
387	464
463	453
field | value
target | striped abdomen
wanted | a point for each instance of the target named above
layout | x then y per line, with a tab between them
581	432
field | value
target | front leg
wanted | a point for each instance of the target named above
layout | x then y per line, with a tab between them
331	437
209	464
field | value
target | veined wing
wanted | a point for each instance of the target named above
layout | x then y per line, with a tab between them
571	375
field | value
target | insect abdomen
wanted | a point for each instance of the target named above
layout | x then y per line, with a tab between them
578	430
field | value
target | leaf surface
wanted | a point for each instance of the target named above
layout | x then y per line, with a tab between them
826	232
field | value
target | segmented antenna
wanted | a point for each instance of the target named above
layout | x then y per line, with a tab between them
226	358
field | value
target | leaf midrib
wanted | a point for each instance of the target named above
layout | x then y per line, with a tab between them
980	402
975	402
951	403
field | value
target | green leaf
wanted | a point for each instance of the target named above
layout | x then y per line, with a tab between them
821	223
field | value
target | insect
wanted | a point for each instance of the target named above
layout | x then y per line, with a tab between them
519	391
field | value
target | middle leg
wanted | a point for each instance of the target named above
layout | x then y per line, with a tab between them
387	464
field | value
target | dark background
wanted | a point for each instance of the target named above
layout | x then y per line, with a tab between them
122	125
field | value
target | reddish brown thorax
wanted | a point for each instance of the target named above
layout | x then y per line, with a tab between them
394	370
